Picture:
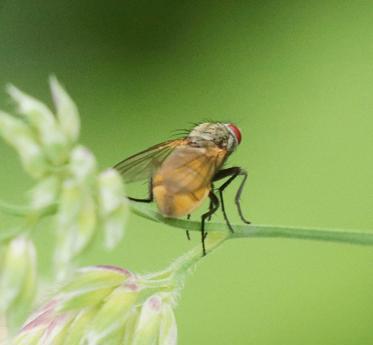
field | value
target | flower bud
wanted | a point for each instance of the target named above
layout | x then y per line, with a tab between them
17	134
96	277
43	121
38	325
148	323
168	327
45	193
110	319
78	326
130	326
76	221
156	323
83	165
111	191
57	330
131	311
90	286
113	207
68	316
67	112
114	226
18	278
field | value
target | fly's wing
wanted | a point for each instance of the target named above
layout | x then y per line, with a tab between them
188	168
142	165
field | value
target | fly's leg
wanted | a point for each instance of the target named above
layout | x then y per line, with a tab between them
232	173
215	205
238	196
150	197
187	231
211	205
146	200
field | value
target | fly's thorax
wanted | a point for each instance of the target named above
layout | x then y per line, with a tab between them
218	134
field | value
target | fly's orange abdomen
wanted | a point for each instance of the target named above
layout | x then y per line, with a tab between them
183	181
178	204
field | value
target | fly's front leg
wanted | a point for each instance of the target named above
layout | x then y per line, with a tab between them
215	205
238	196
150	197
232	173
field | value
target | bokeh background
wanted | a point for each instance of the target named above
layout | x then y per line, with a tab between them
296	76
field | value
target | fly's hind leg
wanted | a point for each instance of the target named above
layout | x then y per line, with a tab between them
214	201
232	173
150	197
211	205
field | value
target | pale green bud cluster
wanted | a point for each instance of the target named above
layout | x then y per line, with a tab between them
88	201
67	173
18	277
42	140
105	305
113	208
68	185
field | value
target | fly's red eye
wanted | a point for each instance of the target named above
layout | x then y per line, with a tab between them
235	131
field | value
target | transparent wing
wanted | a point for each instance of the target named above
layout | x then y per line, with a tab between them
189	169
142	165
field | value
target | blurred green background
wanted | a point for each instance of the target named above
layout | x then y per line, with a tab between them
296	76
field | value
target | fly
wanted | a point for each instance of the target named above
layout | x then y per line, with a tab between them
181	172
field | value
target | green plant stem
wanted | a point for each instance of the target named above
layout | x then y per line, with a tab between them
13	210
185	262
30	217
177	271
26	211
262	231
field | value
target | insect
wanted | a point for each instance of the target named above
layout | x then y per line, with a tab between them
181	172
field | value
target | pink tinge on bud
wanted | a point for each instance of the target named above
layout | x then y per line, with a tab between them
155	303
132	286
115	269
42	317
235	130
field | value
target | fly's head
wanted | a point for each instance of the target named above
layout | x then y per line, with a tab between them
224	135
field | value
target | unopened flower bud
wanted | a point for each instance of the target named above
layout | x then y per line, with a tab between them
168	326
67	112
147	327
111	191
83	165
105	305
113	207
76	221
68	316
90	286
18	277
112	316
44	122
156	323
114	226
45	193
77	328
17	134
